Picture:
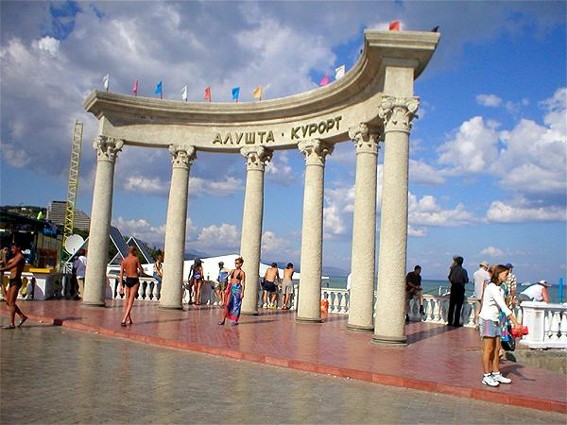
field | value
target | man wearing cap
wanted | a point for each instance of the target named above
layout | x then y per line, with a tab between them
536	292
510	285
480	277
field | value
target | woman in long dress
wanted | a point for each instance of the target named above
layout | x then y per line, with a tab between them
234	293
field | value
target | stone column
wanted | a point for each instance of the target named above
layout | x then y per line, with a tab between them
363	230
252	218
95	278
309	308
175	226
389	326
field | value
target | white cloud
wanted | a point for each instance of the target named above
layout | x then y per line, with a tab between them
278	169
48	44
501	212
423	173
492	252
472	148
272	244
145	185
141	229
490	100
224	237
417	232
199	186
427	212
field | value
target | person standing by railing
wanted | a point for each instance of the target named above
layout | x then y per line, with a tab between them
413	290
536	292
287	285
158	275
459	278
492	304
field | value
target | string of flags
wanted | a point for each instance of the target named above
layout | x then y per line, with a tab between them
257	93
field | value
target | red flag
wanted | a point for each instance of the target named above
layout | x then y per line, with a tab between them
324	80
135	88
208	93
394	26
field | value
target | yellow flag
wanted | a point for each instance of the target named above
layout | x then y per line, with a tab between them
257	93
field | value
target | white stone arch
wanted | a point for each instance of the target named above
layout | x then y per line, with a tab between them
376	93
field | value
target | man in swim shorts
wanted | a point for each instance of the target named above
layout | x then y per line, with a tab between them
132	267
270	288
16	266
287	286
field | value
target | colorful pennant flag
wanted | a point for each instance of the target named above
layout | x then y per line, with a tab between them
257	93
394	26
106	81
208	96
324	80
159	90
135	88
340	72
184	93
235	93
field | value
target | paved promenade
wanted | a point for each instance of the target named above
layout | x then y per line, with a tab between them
437	359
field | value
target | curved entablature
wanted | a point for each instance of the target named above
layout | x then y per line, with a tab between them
325	113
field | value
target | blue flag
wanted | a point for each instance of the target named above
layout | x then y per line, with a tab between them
235	93
159	88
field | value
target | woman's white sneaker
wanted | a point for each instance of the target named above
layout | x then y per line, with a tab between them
490	381
498	377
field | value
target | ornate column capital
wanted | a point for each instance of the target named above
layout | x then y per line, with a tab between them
256	157
315	151
182	155
107	148
397	112
364	140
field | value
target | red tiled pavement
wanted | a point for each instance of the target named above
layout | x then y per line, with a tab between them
437	358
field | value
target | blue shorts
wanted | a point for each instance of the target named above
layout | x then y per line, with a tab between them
488	328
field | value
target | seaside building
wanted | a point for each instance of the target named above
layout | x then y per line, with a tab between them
56	214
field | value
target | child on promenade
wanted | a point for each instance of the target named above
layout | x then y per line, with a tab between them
492	303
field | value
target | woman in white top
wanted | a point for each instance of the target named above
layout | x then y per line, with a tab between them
492	303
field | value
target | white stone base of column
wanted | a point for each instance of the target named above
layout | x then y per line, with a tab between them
360	328
308	320
250	313
171	307
93	304
389	340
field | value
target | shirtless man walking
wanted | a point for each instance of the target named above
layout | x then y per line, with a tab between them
287	285
270	288
16	267
133	269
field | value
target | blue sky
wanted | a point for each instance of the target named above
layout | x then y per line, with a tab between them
487	155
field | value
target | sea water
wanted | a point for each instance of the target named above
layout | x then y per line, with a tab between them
433	287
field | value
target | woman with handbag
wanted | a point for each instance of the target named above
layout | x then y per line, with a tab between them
492	304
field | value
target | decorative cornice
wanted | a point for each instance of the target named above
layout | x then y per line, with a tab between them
397	112
256	157
107	148
315	151
182	156
364	141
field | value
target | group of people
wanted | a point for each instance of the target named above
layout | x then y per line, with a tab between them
272	282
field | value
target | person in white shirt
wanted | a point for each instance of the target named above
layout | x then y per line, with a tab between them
536	292
80	265
491	305
480	278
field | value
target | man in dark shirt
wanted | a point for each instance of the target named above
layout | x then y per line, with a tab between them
413	290
458	277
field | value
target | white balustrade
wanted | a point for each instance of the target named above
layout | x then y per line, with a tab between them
547	324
